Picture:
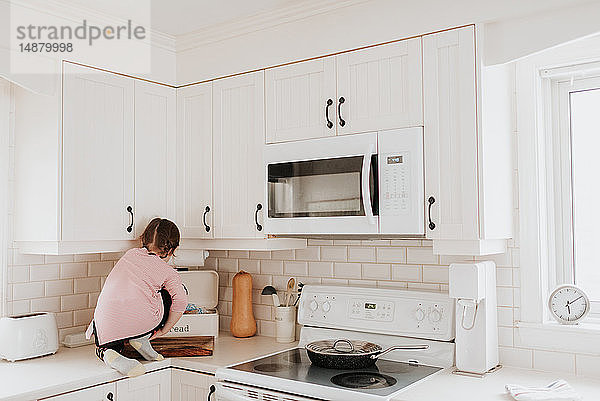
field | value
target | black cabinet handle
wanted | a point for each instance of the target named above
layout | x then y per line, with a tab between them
211	392
206	226
110	397
130	227
258	226
329	123
342	121
431	201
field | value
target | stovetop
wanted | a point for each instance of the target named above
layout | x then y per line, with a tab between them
383	379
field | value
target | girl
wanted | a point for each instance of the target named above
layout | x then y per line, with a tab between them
142	299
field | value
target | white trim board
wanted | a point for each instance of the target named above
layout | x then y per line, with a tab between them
580	339
5	106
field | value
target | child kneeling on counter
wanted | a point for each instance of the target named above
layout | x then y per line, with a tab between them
143	297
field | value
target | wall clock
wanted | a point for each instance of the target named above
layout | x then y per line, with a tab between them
568	304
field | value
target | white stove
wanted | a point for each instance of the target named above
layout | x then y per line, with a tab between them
386	317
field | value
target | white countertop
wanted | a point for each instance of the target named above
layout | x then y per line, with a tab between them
73	368
449	387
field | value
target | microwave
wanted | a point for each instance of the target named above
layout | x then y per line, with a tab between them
370	183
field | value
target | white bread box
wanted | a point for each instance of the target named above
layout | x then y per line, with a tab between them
203	291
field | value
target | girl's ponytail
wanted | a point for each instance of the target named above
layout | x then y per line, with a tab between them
162	234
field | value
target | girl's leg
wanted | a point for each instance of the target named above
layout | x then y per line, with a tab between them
125	366
109	353
142	344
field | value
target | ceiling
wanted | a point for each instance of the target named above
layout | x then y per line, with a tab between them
179	17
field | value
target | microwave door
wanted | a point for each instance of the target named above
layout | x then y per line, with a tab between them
325	189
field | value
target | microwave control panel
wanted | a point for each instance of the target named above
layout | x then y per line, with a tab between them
401	181
395	180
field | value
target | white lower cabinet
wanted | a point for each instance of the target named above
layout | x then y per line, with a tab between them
191	386
170	384
104	392
154	386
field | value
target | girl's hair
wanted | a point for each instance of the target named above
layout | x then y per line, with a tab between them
163	234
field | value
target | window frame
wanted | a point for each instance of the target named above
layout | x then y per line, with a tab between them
541	249
562	87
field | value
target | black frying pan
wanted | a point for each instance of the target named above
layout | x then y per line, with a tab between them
347	354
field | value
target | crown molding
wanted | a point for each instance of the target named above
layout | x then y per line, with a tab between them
260	21
65	10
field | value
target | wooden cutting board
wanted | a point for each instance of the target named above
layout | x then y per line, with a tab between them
172	347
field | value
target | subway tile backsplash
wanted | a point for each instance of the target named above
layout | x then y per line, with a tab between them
68	285
379	263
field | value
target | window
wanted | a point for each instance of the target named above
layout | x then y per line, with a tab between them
557	115
576	173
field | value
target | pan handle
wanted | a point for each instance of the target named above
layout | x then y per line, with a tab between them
343	340
401	347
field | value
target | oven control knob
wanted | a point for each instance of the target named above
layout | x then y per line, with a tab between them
435	315
326	307
419	314
313	305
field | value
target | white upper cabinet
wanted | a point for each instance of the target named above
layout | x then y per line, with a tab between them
238	141
300	100
98	163
451	133
380	88
155	141
195	209
459	151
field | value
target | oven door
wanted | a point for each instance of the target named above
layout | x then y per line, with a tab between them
323	186
239	392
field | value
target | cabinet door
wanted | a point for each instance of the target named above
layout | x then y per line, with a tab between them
238	159
451	134
190	386
104	392
155	170
194	161
297	99
155	386
98	155
380	87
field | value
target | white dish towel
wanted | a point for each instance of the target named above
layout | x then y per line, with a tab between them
559	390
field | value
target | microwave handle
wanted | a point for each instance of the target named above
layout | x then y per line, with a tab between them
366	191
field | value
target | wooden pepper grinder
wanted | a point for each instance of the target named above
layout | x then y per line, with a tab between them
243	323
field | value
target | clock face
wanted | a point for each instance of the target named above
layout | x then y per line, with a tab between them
568	304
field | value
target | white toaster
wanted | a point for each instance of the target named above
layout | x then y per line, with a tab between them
28	336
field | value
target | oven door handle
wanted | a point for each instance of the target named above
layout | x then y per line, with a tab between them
366	191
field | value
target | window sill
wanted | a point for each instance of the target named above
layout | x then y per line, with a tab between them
582	338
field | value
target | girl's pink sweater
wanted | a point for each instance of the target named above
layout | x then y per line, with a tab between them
130	303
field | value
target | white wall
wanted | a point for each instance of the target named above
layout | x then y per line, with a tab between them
153	58
375	22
